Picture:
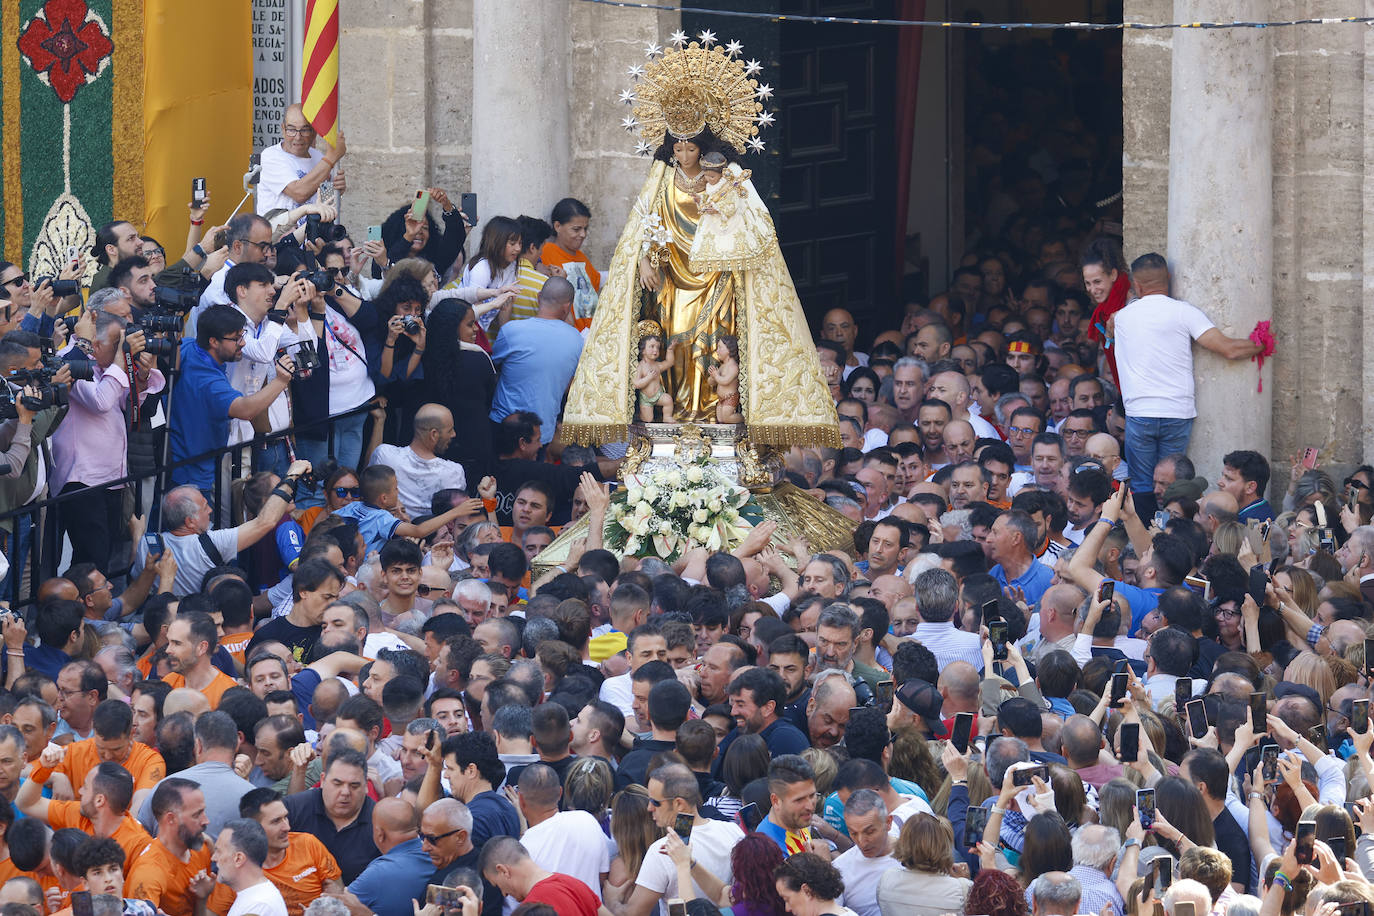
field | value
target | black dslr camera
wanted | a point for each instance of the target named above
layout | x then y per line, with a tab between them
316	229
322	280
61	289
164	322
411	325
50	394
304	355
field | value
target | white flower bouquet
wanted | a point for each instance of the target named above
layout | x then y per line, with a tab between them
669	511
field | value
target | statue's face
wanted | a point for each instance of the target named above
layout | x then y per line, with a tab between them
688	154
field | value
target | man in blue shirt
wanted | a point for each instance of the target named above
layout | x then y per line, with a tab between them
399	875
1245	475
203	401
537	358
1165	559
1013	538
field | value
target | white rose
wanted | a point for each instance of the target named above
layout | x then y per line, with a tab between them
714	505
651	493
674	479
694	474
700	516
664	526
633	495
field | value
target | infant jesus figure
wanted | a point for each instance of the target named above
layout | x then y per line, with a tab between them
649	378
725	379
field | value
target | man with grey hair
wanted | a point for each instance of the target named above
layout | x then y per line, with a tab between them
837	636
1013	539
1095	848
1055	893
1356	557
827	711
937	598
111	299
188	535
474	597
825	575
868	822
909	377
120	667
1187	890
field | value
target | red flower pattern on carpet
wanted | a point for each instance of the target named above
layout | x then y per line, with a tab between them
66	45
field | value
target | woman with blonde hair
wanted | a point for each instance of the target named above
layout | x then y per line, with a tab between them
1311	669
1228	539
925	884
1300	585
417	269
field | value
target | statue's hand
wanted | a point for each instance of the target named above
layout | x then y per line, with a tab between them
649	276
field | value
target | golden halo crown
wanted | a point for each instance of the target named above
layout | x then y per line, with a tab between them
693	86
648	328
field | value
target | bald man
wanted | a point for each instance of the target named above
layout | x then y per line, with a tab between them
184	699
958	685
890	589
1217	507
293	170
537	358
953	389
1105	448
420	472
959	436
838	326
565	842
399	875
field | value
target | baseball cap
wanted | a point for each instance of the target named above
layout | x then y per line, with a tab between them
923	699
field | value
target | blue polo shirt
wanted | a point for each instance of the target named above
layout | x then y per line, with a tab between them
1035	581
1142	601
1257	511
199	418
391	881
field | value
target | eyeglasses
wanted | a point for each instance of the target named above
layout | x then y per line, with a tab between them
297	131
434	838
1022	430
16	282
1228	612
153	253
1075	433
347	492
234	338
264	247
424	591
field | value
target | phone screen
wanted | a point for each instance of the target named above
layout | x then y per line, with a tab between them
1162	519
975	822
1269	763
81	903
1368	656
1304	849
1184	908
1317	735
1197	718
997	633
682	826
1145	801
1338	849
963	727
1118	690
1106	590
1026	775
749	816
1164	874
677	907
1183	693
1359	716
885	689
1259	712
1129	742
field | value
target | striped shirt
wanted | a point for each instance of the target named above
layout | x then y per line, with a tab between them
950	645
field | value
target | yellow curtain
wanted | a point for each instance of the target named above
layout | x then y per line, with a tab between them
197	111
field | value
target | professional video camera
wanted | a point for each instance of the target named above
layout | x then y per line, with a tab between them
316	230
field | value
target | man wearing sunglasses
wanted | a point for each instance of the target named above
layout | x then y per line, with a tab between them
249	237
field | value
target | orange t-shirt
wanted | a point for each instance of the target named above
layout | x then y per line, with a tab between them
310	516
554	253
161	877
236	644
130	834
213	690
143	763
300	876
64	901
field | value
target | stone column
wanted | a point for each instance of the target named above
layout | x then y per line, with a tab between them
521	70
1220	212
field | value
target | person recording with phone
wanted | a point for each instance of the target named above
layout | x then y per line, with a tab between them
91	449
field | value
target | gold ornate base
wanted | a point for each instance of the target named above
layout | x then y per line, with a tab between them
654	445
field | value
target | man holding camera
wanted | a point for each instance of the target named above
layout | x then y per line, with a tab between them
91	449
204	402
272	321
29	482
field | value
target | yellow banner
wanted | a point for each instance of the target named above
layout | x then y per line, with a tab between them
197	111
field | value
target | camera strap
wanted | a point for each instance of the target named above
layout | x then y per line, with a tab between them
343	343
210	549
135	407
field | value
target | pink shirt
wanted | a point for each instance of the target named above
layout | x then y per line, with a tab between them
91	443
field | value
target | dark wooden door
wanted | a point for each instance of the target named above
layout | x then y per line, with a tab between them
829	172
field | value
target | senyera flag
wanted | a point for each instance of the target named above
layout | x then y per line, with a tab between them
320	74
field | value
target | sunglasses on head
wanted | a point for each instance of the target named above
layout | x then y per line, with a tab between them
345	492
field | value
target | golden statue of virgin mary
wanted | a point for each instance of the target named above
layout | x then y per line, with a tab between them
699	256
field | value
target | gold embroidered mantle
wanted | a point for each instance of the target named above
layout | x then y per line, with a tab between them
783	394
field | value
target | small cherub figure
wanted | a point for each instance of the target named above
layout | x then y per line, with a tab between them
649	378
725	379
712	168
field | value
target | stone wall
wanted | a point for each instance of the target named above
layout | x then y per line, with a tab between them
533	99
1318	141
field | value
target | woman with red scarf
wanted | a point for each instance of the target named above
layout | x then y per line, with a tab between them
1108	283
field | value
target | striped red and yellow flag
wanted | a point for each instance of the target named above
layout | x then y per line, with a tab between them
320	75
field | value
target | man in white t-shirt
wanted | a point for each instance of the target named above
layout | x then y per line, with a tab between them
1153	339
420	472
293	170
240	851
673	791
868	823
566	842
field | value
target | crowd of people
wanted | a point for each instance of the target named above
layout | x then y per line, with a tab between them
1056	672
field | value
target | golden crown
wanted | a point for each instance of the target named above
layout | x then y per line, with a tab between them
693	86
